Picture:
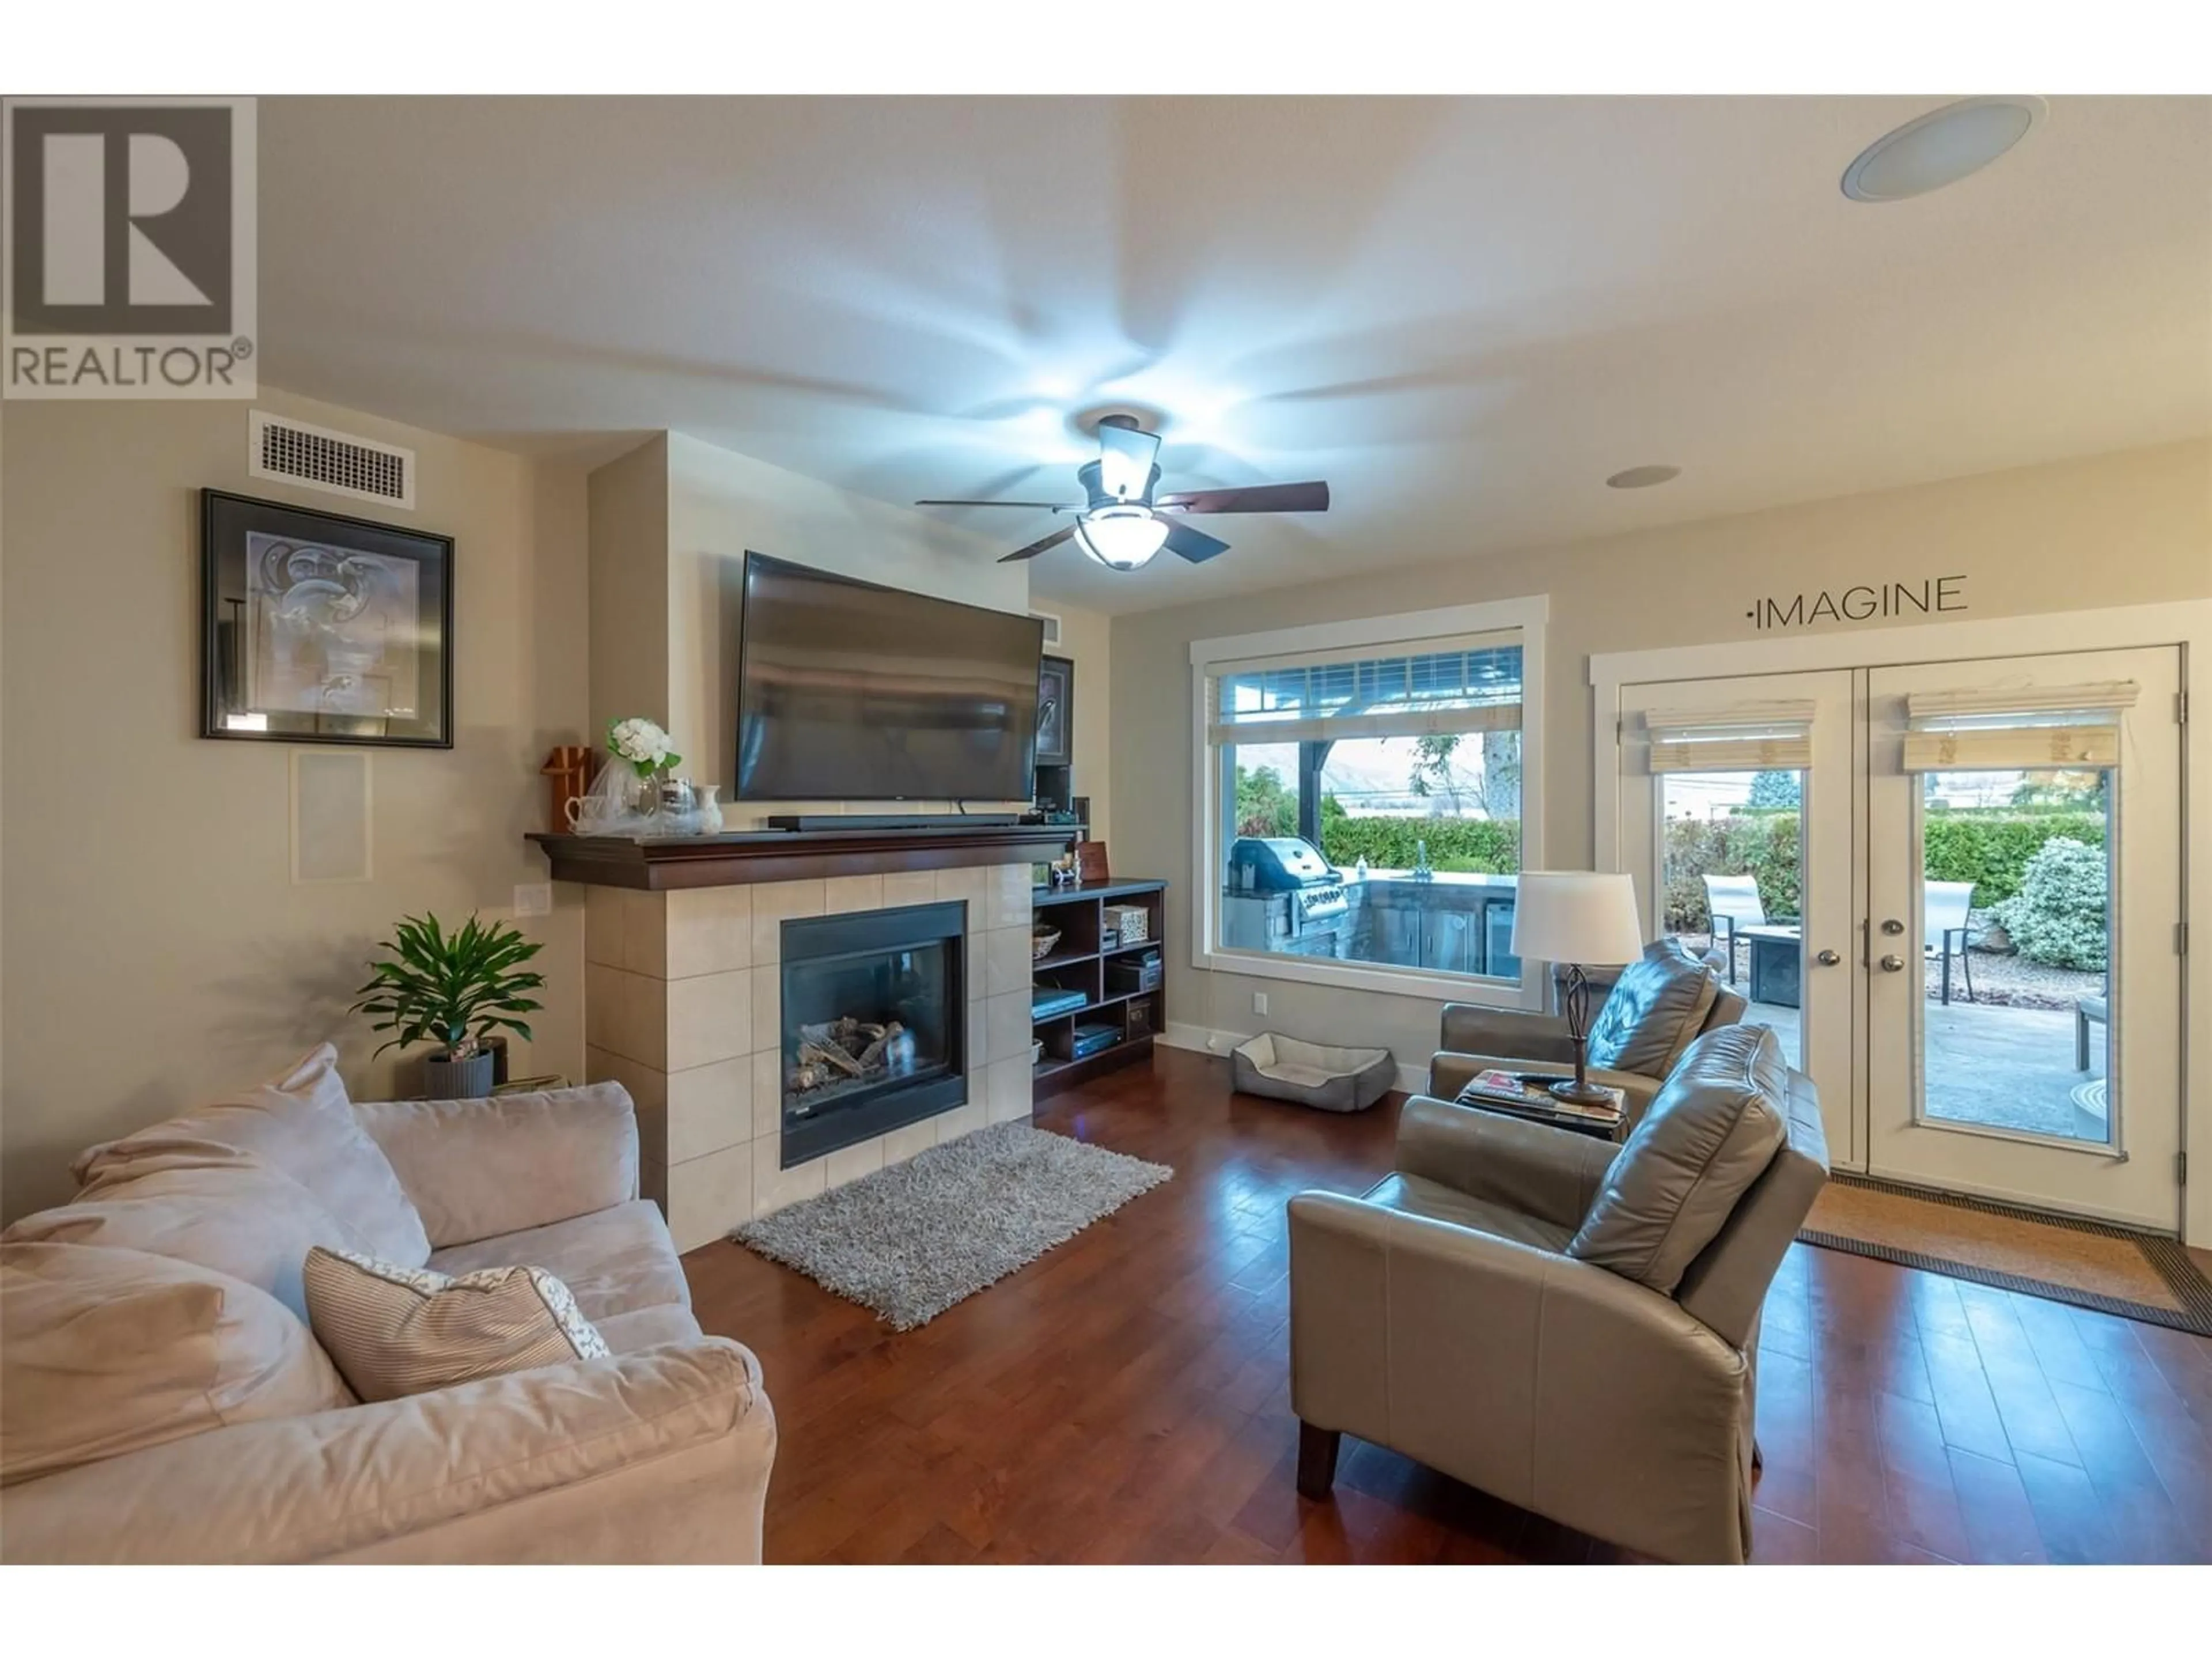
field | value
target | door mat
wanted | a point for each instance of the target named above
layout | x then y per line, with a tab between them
2087	1264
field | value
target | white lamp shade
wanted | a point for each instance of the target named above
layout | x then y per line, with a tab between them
1586	916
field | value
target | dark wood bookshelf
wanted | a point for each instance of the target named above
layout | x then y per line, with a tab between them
1078	963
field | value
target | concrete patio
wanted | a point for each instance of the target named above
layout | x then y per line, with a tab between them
2012	1068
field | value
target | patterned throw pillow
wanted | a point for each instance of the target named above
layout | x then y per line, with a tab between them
395	1331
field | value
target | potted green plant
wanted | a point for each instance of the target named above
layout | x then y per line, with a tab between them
454	989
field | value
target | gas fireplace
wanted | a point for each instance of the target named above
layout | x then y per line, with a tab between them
873	1016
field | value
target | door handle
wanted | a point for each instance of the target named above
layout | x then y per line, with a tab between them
1893	965
1893	927
1828	958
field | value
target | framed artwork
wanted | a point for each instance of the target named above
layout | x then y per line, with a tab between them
1055	739
316	628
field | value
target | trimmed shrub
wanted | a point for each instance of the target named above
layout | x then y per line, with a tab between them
2058	917
1993	850
1488	847
1990	849
1762	846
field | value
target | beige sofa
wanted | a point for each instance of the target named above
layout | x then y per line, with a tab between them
659	1452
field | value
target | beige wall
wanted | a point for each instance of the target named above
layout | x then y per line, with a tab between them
157	951
628	585
2126	529
1086	641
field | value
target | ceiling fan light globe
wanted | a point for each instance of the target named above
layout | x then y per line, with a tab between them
1121	539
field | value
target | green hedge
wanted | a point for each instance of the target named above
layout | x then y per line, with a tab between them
1764	846
1467	846
1990	849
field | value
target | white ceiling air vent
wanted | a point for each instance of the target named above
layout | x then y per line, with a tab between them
1051	626
335	461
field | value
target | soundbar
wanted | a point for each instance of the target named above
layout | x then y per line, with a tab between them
814	822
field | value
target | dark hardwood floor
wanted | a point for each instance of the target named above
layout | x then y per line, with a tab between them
1126	1397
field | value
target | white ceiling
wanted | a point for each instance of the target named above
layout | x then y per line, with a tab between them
1463	314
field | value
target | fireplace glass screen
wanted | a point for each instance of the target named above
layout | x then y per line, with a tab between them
872	1016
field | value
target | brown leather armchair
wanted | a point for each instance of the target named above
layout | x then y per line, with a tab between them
1440	1316
1477	1039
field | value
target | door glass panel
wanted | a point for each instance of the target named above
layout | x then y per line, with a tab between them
1732	861
2015	930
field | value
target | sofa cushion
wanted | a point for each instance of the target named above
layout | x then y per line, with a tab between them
648	1327
214	1206
302	1124
396	1331
1709	1135
1655	1010
482	1169
105	1351
614	1261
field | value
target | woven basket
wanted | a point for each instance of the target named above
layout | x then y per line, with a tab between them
1040	943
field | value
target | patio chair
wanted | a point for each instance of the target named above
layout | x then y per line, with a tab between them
1735	902
2088	1011
1943	930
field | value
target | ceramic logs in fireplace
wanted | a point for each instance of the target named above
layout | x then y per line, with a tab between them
872	1026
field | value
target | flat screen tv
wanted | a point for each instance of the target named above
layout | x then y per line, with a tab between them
850	691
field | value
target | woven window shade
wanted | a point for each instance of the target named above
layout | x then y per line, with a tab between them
2017	731
1749	737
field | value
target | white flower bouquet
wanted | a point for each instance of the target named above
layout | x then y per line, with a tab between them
644	745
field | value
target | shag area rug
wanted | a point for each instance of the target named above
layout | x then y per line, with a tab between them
2088	1264
913	1240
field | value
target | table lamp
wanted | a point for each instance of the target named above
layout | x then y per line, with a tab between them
1574	918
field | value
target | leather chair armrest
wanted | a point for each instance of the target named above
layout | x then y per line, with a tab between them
1471	1028
1532	1377
596	1460
482	1169
1553	1174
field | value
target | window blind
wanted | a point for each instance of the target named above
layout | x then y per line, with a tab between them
1445	687
1747	737
2020	730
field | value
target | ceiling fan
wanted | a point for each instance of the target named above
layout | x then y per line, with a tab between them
1123	524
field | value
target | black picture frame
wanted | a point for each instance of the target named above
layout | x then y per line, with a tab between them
1055	742
381	615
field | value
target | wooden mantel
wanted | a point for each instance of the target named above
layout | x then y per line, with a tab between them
796	855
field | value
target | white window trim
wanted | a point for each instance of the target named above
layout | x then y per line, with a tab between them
1404	631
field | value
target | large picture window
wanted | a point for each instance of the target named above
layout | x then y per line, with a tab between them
1366	791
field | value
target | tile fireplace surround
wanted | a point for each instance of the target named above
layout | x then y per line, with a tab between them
681	1008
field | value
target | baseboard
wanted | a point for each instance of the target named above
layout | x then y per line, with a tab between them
1201	1039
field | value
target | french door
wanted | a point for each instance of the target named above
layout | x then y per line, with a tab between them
1745	786
2059	1086
1952	889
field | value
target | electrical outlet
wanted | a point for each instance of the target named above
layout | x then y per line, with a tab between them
533	898
1258	1002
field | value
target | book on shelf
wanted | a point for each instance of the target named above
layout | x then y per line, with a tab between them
1531	1094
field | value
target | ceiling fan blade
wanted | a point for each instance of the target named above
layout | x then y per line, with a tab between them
1125	460
1193	544
1252	498
1046	546
1041	506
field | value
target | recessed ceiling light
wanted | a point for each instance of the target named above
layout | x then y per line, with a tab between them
1940	147
1643	478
